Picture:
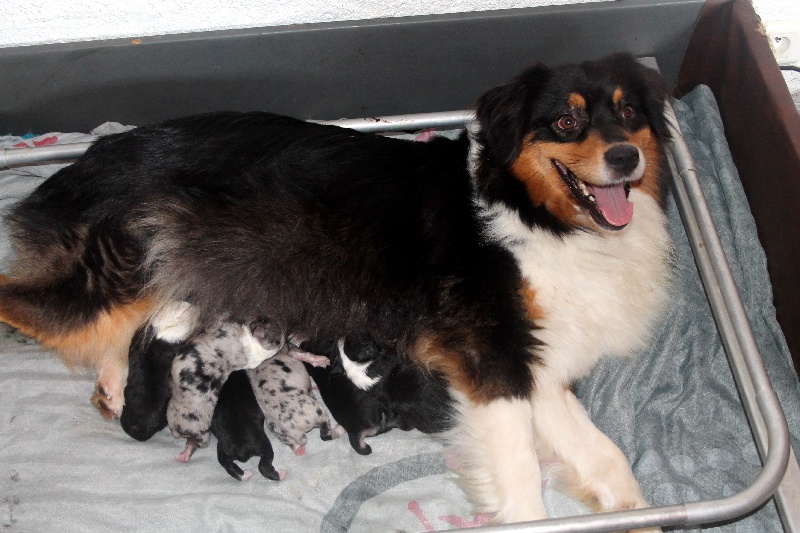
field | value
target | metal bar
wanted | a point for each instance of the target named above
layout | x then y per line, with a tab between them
761	405
421	121
750	375
20	157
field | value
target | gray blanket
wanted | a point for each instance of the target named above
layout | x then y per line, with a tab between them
674	411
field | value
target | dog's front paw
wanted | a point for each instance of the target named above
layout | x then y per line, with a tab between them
634	501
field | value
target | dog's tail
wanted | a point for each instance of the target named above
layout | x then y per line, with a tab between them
76	328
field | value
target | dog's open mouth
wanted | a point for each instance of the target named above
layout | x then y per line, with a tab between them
608	205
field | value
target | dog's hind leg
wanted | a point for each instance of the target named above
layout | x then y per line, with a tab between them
83	335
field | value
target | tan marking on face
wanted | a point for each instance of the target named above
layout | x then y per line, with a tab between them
650	147
618	96
534	168
586	160
576	101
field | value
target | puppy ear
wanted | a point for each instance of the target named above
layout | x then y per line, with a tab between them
504	114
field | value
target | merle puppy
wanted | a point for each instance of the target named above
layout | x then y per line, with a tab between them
204	364
283	389
238	424
370	390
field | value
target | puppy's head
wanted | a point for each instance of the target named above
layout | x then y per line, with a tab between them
565	146
147	392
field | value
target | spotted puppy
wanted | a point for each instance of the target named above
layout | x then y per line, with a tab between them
283	389
204	364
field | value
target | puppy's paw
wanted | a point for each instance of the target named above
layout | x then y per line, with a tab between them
187	452
319	361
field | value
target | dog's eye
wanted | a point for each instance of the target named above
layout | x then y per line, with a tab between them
628	112
566	122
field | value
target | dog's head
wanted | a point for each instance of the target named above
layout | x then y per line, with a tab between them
564	146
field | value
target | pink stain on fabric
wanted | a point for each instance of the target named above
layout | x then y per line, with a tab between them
425	135
453	520
414	507
47	141
479	520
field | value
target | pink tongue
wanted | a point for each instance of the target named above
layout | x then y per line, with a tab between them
612	204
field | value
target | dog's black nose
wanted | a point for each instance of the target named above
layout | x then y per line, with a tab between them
623	158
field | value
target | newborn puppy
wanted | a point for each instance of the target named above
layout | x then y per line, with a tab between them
238	424
370	389
152	350
283	389
204	364
147	391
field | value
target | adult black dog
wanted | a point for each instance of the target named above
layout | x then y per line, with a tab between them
509	261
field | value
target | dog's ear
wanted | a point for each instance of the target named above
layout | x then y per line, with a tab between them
504	114
656	95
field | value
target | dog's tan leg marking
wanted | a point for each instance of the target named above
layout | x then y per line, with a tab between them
591	468
101	344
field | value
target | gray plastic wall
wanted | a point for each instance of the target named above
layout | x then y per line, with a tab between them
324	71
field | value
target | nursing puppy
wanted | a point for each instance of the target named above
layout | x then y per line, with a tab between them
151	354
237	421
203	366
238	425
508	261
148	389
370	390
283	390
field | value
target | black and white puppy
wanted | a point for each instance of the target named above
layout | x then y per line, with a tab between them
369	390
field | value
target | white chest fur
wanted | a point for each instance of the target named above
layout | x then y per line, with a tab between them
599	293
